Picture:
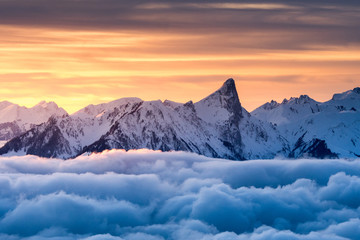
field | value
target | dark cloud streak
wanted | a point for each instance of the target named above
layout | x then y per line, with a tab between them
319	22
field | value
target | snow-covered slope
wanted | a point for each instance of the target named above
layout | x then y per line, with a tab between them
288	111
314	129
211	127
15	119
216	126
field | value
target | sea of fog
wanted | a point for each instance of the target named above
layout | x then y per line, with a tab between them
152	195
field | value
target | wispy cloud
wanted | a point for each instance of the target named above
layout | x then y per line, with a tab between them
234	5
120	43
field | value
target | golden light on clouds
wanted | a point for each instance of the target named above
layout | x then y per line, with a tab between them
76	67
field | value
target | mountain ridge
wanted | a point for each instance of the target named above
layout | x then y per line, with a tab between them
211	126
216	126
332	126
16	119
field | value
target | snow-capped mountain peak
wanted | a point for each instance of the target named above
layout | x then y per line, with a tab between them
316	129
222	104
225	97
302	99
43	104
346	101
5	104
172	104
216	126
356	90
48	107
91	110
288	111
351	94
270	105
15	119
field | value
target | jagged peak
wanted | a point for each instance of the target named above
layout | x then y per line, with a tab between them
45	104
350	93
93	110
116	102
356	90
172	104
189	104
270	105
225	98
5	104
41	103
124	100
227	90
302	99
229	82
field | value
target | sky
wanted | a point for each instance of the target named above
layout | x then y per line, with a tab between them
87	52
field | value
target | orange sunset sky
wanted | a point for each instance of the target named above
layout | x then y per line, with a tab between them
87	52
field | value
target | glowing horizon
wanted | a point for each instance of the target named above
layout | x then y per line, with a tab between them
176	51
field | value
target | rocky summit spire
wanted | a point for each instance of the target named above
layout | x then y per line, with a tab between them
225	97
228	87
223	109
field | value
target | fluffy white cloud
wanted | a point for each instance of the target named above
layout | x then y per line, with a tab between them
175	195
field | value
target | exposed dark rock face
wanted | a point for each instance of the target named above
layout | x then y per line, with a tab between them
9	130
316	148
45	140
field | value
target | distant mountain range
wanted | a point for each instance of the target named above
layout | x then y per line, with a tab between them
314	129
217	126
16	120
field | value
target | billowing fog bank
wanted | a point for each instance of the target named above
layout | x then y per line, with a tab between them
175	195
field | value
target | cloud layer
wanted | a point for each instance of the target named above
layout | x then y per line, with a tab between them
175	195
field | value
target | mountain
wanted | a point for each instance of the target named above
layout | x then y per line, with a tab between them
217	126
322	130
288	111
15	119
